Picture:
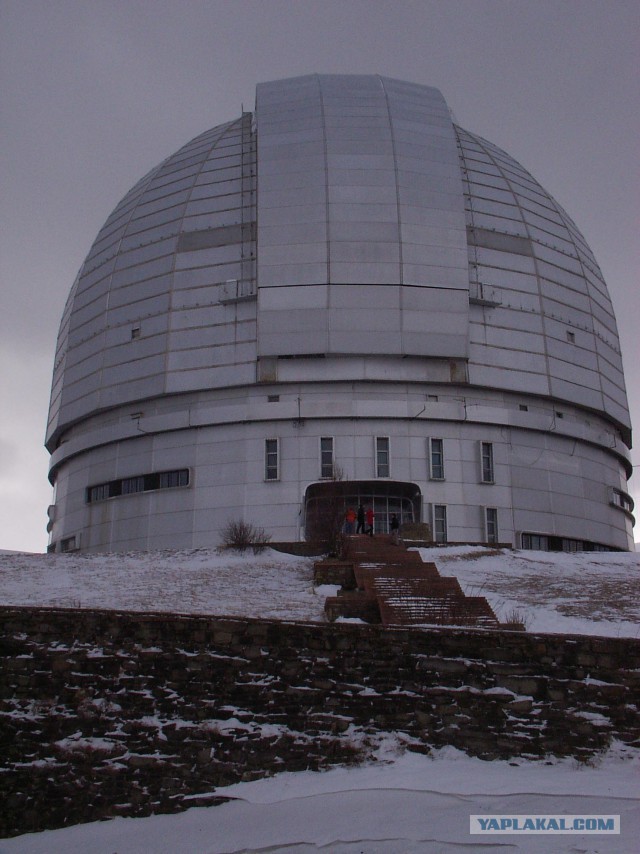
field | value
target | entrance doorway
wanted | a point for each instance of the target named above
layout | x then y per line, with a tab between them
385	497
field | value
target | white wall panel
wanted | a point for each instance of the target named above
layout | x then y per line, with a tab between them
374	273
212	172
294	214
137	311
441	278
283	299
213	219
292	274
135	292
233	375
293	233
496	223
379	298
140	349
207	257
195	298
297	253
134	275
505	377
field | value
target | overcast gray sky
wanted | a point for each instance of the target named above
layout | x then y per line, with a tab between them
94	93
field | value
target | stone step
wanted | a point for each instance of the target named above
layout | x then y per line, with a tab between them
359	606
395	586
334	572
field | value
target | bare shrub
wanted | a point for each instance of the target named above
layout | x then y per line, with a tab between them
515	618
240	535
327	523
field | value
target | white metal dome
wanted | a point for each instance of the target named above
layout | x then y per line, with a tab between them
348	250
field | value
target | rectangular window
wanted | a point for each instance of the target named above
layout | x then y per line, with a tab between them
130	485
440	523
571	545
169	479
140	483
70	544
621	499
491	524
486	462
382	456
326	456
536	542
99	493
271	459
436	459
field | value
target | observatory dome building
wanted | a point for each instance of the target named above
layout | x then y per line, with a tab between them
340	283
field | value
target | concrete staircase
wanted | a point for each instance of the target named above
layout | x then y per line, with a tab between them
382	582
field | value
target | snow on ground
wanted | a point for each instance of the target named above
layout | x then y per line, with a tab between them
402	803
595	593
270	585
585	593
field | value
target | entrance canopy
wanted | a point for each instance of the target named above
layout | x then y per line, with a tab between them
330	497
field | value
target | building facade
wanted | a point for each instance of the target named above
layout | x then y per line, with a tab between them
342	282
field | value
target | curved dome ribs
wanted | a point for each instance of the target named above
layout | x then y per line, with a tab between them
342	278
551	281
128	279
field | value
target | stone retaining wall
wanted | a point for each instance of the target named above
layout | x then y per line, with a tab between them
105	713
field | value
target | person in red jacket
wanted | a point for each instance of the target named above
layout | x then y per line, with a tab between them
370	517
349	521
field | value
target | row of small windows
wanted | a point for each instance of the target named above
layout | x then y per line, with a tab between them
548	543
622	500
139	483
528	541
382	459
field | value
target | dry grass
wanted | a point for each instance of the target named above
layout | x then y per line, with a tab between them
597	588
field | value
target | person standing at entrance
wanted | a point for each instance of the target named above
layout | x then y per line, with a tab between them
394	526
370	519
360	528
350	518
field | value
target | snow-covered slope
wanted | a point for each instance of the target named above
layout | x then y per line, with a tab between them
586	593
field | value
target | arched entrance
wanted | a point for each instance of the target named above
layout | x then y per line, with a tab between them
326	498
